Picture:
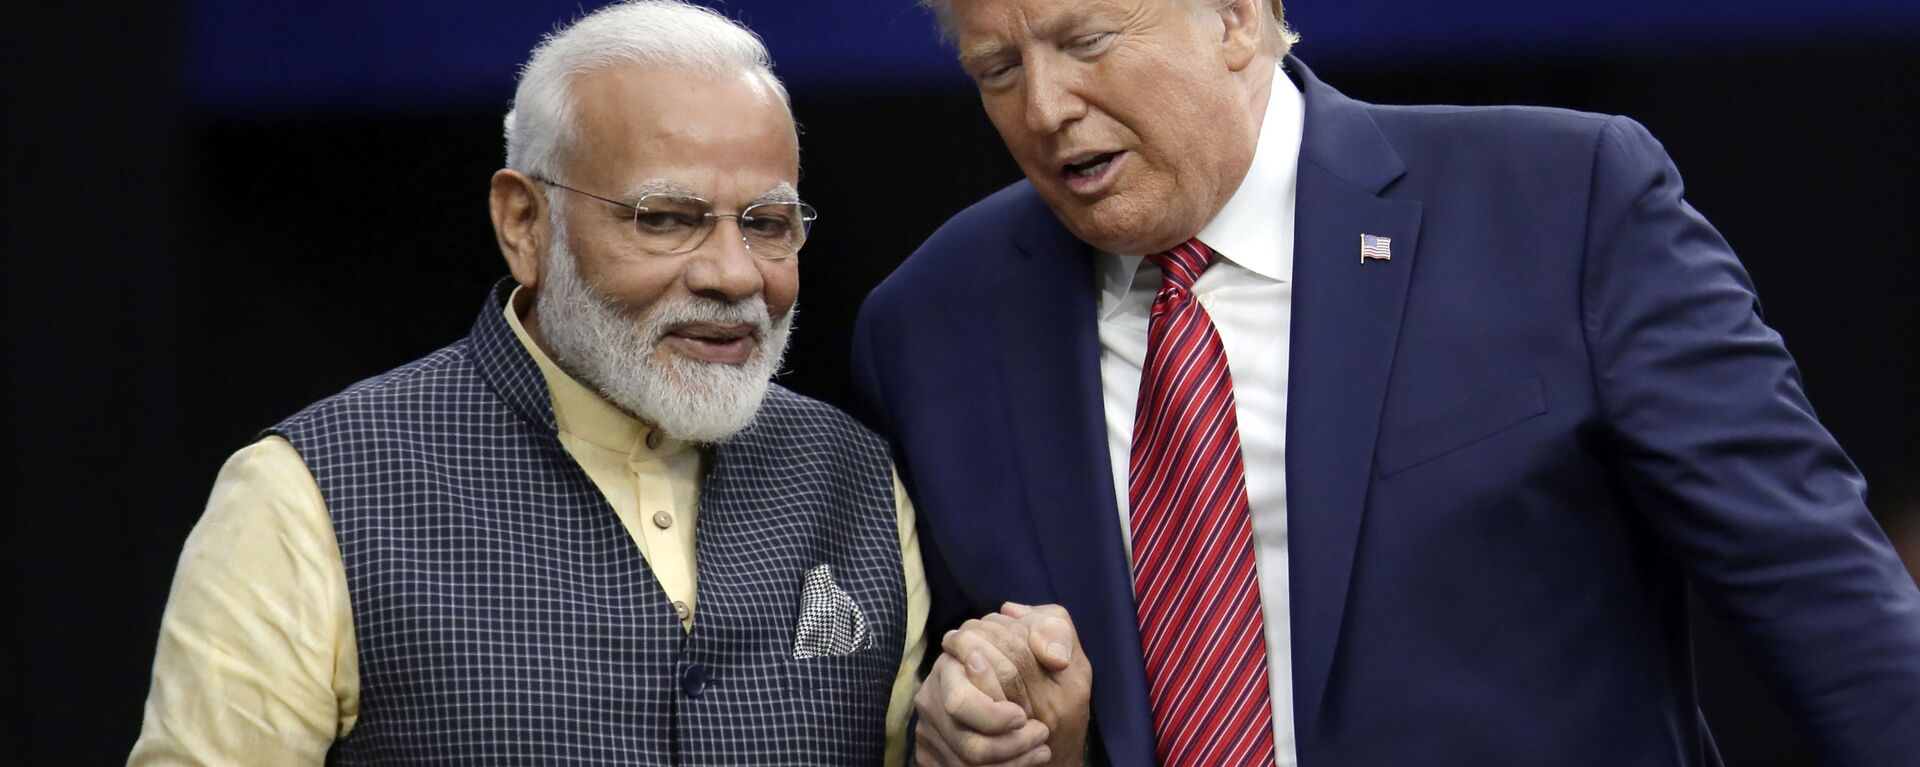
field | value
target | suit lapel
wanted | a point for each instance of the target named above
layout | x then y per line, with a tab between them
1049	350
1346	321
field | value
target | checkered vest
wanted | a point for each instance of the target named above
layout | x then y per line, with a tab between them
505	616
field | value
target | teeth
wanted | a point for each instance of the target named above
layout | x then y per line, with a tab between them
1090	170
1087	168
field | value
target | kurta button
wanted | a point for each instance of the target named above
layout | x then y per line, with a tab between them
653	440
662	520
680	608
693	680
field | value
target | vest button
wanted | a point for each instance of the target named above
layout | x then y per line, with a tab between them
662	520
693	680
681	609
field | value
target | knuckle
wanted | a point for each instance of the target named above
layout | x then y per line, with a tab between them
974	749
954	702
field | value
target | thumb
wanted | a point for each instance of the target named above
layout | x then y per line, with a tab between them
1053	642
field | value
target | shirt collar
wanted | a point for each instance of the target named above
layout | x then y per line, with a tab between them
1248	229
578	410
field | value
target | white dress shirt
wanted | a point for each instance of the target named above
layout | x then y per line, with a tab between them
1248	291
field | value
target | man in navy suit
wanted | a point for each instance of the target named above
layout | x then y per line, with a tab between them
1497	394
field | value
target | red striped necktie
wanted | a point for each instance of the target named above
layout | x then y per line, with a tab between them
1201	630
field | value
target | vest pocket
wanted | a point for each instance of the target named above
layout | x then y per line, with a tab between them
863	671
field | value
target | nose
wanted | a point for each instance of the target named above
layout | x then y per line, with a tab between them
722	268
1052	100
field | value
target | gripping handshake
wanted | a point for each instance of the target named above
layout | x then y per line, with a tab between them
1009	688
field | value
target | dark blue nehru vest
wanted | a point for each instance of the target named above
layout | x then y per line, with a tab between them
505	616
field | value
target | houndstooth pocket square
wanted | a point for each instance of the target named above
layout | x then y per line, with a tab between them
830	623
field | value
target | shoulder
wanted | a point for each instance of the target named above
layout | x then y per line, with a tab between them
1530	156
414	387
1455	144
971	248
1506	129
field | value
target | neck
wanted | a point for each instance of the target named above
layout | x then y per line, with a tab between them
1257	81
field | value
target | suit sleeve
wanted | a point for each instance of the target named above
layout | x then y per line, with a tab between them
946	610
1716	442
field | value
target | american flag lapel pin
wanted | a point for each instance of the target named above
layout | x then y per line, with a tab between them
1375	247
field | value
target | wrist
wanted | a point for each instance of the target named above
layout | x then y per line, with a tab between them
1068	742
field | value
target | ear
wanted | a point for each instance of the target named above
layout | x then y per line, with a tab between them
519	211
1244	32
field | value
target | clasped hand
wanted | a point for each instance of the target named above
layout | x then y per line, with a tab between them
1009	688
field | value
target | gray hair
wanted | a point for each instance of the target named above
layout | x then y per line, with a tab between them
655	33
1280	39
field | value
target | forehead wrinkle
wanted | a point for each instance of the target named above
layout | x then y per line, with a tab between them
1050	27
1044	28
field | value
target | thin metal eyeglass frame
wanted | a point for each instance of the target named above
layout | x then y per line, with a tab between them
807	216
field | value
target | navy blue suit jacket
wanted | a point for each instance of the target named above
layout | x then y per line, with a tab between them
1509	448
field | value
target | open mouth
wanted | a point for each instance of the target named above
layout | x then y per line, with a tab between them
1091	166
1089	173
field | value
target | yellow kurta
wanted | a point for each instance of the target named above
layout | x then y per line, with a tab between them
257	663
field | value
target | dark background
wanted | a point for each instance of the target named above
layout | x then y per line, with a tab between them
216	212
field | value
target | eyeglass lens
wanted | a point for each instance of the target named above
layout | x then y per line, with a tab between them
675	224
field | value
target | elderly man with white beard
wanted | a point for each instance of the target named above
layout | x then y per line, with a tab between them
489	556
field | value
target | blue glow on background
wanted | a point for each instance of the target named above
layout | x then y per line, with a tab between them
362	55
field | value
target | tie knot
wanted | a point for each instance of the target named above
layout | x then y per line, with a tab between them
1182	265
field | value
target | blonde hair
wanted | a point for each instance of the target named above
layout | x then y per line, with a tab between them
1280	39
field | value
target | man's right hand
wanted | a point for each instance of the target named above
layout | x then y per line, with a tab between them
1010	688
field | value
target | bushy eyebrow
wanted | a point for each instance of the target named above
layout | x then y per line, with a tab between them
781	192
658	186
981	52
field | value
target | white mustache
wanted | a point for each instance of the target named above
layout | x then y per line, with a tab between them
671	314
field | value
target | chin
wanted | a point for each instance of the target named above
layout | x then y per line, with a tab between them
1114	225
1121	236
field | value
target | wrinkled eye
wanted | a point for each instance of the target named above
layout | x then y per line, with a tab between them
1090	43
766	226
995	72
771	221
664	221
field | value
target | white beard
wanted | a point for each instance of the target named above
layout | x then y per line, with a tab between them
612	349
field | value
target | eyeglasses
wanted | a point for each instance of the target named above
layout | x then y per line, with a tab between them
669	223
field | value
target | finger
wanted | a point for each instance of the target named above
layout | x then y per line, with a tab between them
929	749
997	628
981	674
1009	627
962	708
992	644
1014	609
1051	637
1052	643
1052	650
1025	746
1008	635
